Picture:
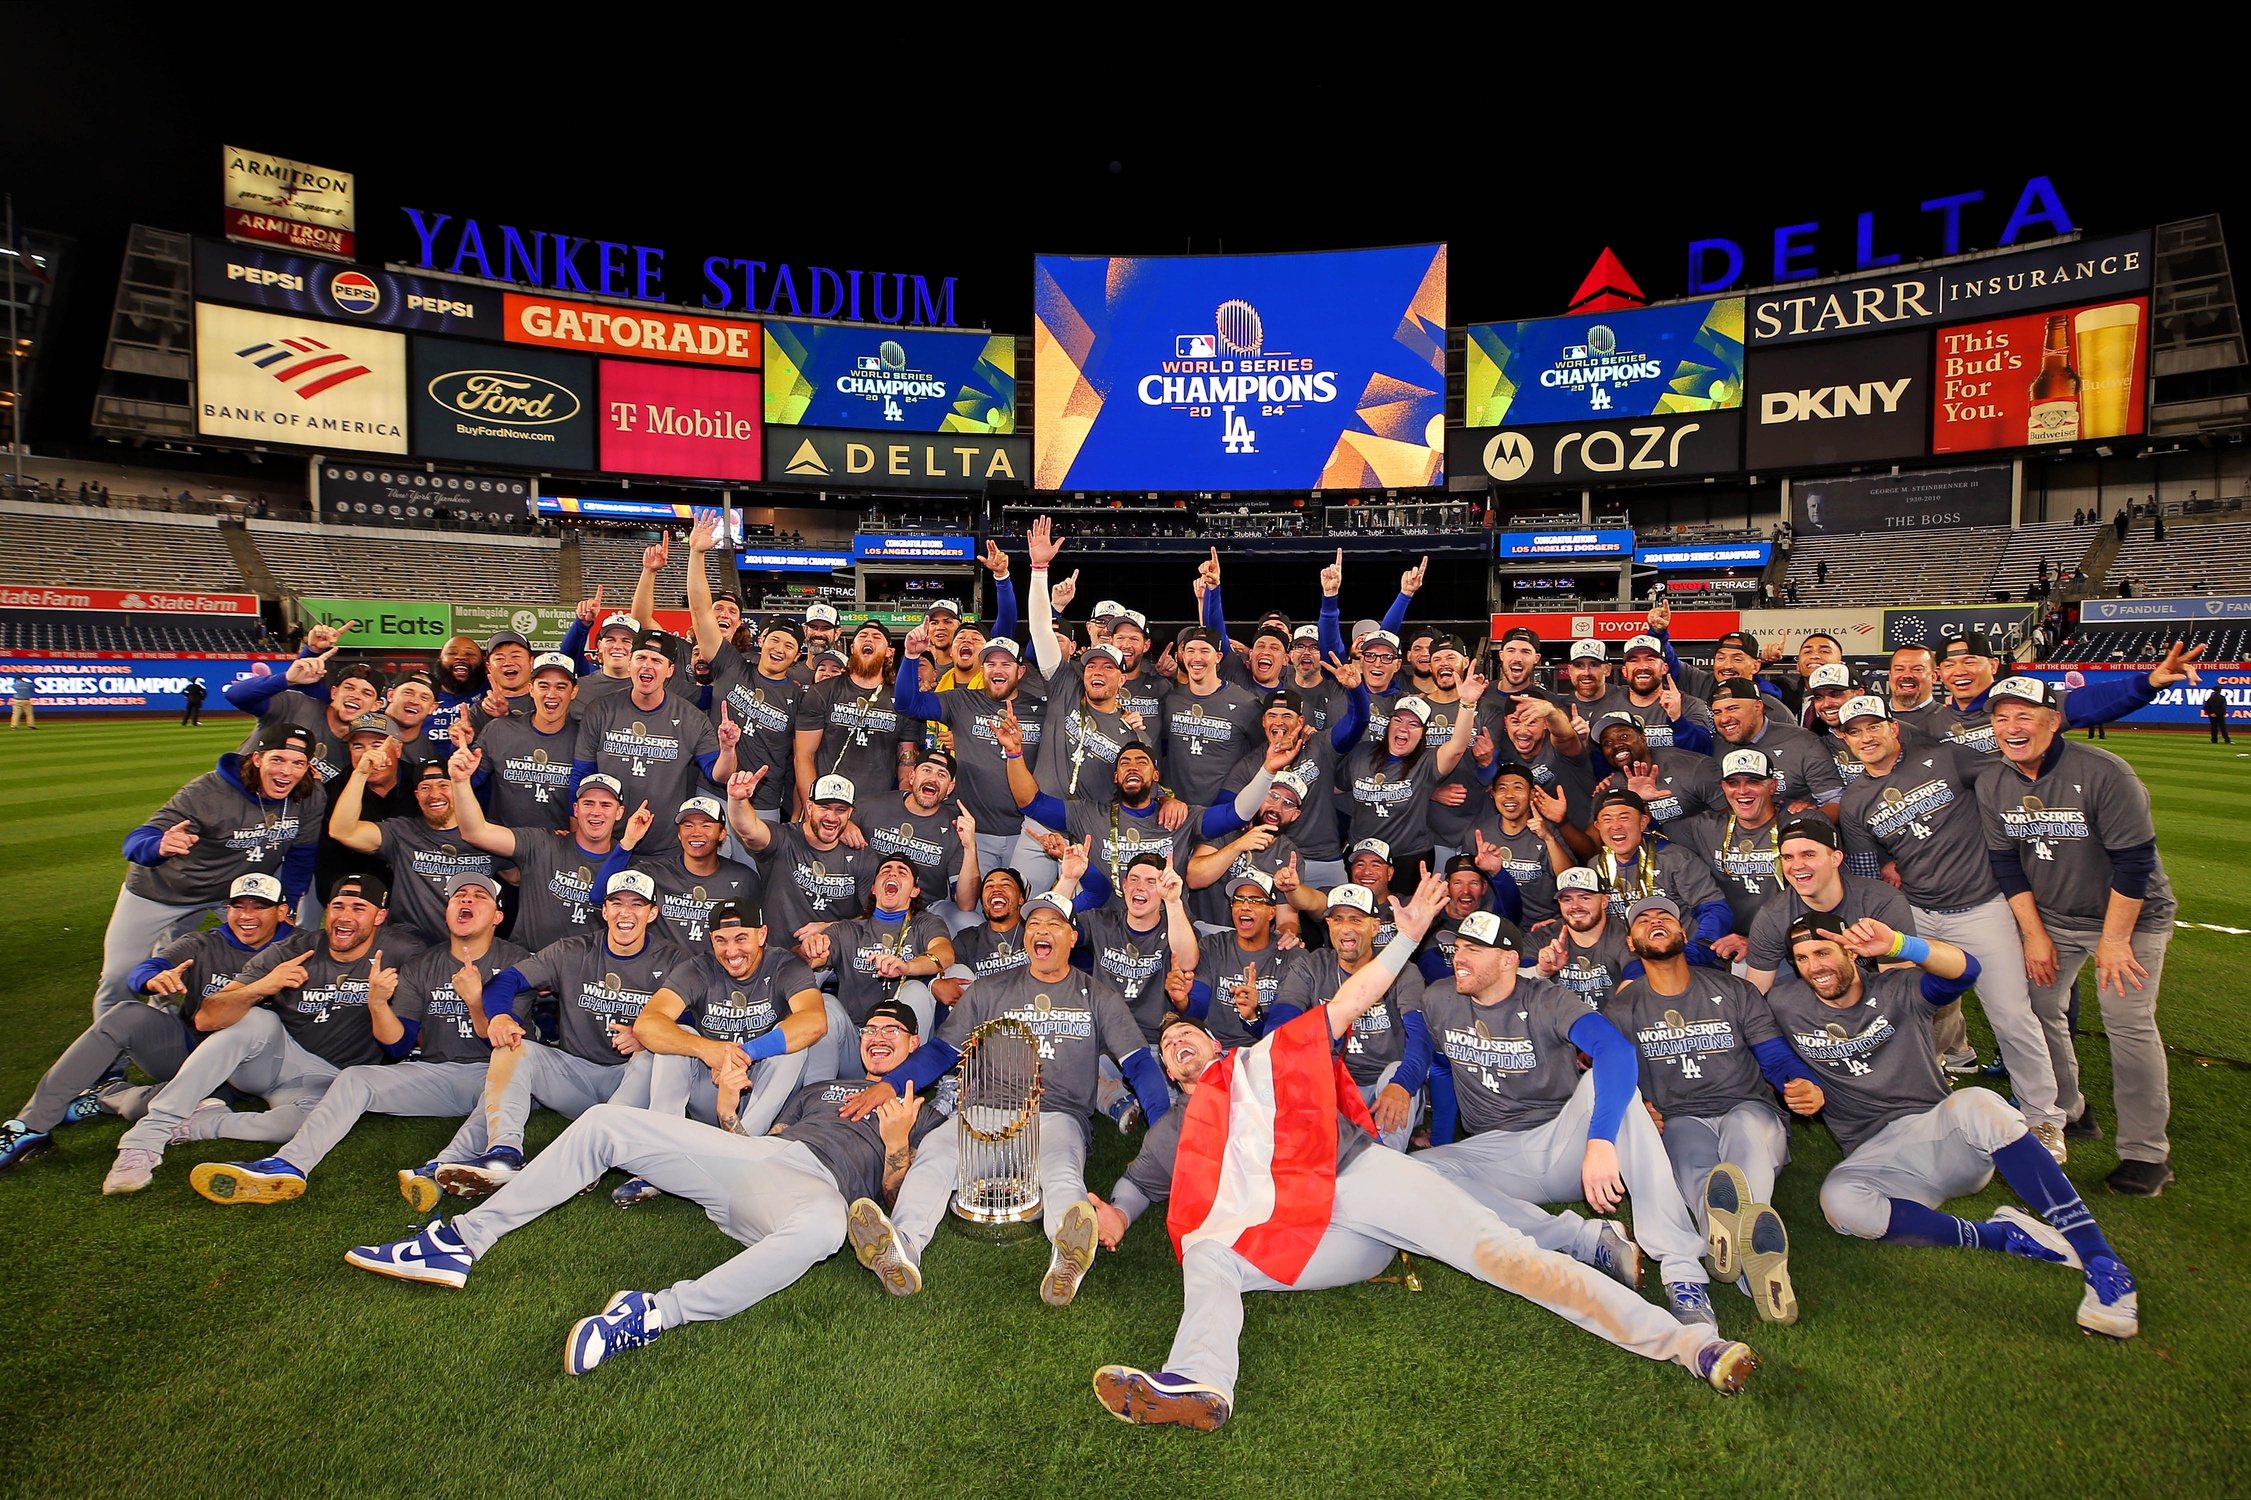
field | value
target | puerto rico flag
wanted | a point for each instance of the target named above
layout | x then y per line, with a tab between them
1257	1164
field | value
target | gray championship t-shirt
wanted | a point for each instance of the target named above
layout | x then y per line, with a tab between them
855	945
861	731
1677	871
1134	963
850	1150
1803	770
601	992
1388	799
652	752
1696	1057
1742	860
555	896
214	959
728	1009
1593	971
766	708
927	840
1863	898
1222	967
803	884
1875	1060
1526	858
1204	738
988	952
2064	826
1688	785
422	860
1077	1019
685	899
425	994
1514	1063
236	834
1923	816
327	1014
982	775
1379	1037
1078	750
528	773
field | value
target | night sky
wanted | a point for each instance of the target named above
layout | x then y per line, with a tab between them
735	142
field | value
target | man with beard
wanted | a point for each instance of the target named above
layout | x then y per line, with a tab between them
1264	848
1709	1049
1741	845
1142	683
409	705
1546	1132
1078	1019
1380	1202
1519	658
1289	713
824	629
1387	1048
1669	717
423	852
782	1195
1735	658
1468	890
461	666
444	1083
1631	867
155	1037
602	980
1913	682
1584	948
996	944
1453	802
1827	687
762	691
1677	784
304	695
692	879
970	716
1134	942
1812	853
530	753
256	814
1239	972
557	873
1323	701
932	830
810	871
1388	789
849	727
891	953
1592	694
1910	1143
1805	777
1913	814
1208	723
299	1013
650	740
1513	835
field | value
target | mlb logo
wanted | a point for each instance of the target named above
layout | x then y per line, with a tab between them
1574	351
869	362
1195	346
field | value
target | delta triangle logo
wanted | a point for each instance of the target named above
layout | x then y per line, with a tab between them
1607	286
805	461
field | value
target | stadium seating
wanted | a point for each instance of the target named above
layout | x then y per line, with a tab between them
102	549
2060	542
2191	560
613	560
2151	642
1872	569
30	631
364	562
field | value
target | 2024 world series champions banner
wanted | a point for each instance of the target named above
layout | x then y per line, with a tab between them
1243	372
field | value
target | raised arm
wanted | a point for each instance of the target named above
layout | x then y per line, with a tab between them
1043	545
345	825
653	559
709	637
1365	990
475	827
1449	755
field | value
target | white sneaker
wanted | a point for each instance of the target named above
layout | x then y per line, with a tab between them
132	1170
184	1132
1073	1255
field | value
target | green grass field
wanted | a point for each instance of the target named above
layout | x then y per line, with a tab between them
160	1345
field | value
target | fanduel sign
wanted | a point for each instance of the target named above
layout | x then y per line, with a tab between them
2165	611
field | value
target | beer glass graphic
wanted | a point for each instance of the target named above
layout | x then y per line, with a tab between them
2106	338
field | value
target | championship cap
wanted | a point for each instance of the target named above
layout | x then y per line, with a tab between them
1617	718
1490	930
1830	674
1305	633
739	912
931	755
1001	645
260	888
619	621
1579	878
607	783
1975	643
1377	847
895	1010
1810	826
1665	904
831	654
1108	653
1052	904
1294	784
1283	697
1378	636
506	638
633	882
555	661
1520	633
485	883
366	886
820	614
289	737
1255	880
707	806
2024	690
1747	763
427	770
1648	643
1863	707
1735	688
1135	618
1415	706
833	788
1352	898
936	607
1108	609
1740	640
654	640
1619	796
1589	651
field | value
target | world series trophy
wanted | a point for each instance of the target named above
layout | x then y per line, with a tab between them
997	1192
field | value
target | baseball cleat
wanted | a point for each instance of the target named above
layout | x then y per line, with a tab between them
1073	1255
629	1321
436	1255
1690	1302
1766	1265
132	1170
86	1106
1727	1196
184	1132
1616	1255
1961	1064
20	1143
1158	1399
419	1187
634	1190
2051	1137
2140	1179
2085	1128
1725	1365
876	1245
2032	1238
480	1175
270	1180
2112	1304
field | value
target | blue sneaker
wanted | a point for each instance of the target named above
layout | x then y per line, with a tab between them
630	1320
1691	1302
86	1106
20	1143
271	1180
436	1255
2034	1239
2112	1304
1159	1398
635	1190
419	1186
1617	1256
480	1175
1725	1365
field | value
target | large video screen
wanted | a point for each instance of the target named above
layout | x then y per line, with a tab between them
1626	362
1240	372
889	379
2067	376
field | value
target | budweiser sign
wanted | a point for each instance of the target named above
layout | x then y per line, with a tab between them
127	601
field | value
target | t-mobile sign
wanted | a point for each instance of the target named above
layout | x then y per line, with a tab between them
685	423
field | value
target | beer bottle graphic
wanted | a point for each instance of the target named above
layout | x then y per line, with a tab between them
2054	416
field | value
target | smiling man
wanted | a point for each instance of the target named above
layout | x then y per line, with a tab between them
529	754
654	742
1386	1049
423	853
1812	856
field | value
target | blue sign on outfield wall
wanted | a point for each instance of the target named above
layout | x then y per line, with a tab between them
2165	611
132	685
2182	703
912	547
1706	555
1566	543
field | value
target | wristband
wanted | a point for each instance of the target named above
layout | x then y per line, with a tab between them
1399	953
1012	755
1913	949
768	1043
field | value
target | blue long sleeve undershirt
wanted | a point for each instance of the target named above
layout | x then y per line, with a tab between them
1396	616
405	1043
1444	1107
1346	732
1617	1072
1414	1063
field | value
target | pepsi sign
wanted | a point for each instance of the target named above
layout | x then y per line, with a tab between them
309	287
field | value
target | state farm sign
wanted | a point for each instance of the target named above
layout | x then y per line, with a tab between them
128	601
679	422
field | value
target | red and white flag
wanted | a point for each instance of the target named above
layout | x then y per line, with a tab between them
1257	1165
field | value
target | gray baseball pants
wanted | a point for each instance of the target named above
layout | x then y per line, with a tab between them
424	1090
1988	932
677	1086
256	1055
2139	1086
772	1195
1395	1139
1543	1165
929	1184
1027	858
1386	1201
152	1036
1944	1152
563	1081
1751	1136
137	928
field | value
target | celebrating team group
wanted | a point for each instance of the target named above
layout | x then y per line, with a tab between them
735	906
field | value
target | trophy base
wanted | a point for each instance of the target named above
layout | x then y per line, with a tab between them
995	1226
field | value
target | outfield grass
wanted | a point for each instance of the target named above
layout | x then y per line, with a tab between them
160	1345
